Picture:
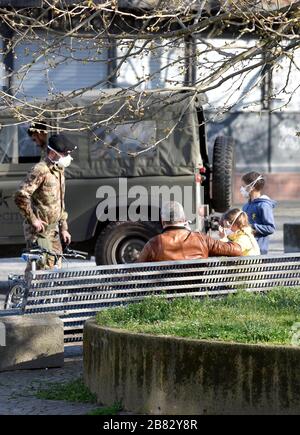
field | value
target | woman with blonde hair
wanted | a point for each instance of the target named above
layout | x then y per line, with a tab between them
235	228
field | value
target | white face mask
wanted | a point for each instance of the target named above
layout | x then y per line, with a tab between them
64	162
228	231
245	190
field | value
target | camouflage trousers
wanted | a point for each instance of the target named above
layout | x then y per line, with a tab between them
50	240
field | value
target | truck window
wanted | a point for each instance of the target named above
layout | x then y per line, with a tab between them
124	139
16	146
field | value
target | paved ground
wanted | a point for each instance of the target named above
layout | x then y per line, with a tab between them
18	389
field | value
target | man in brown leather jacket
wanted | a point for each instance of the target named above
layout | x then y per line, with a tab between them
178	242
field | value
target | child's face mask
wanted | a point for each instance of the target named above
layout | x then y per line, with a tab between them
226	228
228	231
245	190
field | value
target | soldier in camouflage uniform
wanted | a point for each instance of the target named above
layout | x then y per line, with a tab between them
40	199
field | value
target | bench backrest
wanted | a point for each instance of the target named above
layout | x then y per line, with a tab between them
77	294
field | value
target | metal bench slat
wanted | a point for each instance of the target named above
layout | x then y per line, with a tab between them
174	264
214	278
274	281
203	270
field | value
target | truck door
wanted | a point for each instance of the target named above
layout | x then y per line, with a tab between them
18	153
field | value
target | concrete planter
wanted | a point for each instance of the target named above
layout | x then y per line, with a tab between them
169	375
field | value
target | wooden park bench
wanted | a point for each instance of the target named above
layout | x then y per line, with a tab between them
77	294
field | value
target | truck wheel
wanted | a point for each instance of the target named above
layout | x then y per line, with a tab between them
222	174
121	242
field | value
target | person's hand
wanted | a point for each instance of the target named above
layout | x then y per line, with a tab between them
66	236
38	225
222	233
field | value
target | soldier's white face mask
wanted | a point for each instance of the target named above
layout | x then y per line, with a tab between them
63	161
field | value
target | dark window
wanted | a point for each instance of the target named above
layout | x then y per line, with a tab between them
16	146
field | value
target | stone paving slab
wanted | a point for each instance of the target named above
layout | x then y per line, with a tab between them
18	389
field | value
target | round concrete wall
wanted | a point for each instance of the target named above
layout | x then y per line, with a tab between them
170	375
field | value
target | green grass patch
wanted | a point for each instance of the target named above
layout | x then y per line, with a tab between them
243	317
74	391
109	410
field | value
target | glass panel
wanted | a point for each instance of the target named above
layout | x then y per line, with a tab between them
122	140
242	92
155	65
16	146
45	65
250	133
285	156
29	151
286	85
8	142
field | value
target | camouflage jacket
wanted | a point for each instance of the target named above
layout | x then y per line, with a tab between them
41	195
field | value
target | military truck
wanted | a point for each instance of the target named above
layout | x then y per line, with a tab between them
126	142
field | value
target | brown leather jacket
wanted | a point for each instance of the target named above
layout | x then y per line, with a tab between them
181	244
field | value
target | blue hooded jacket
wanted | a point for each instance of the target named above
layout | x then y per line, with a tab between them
260	215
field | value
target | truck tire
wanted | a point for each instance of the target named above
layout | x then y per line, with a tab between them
121	242
222	174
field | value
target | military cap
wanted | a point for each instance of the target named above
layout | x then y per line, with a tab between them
61	144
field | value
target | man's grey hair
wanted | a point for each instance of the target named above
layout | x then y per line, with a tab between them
172	212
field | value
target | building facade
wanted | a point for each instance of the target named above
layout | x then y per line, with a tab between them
259	109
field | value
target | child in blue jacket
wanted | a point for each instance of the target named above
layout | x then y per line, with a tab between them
259	209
